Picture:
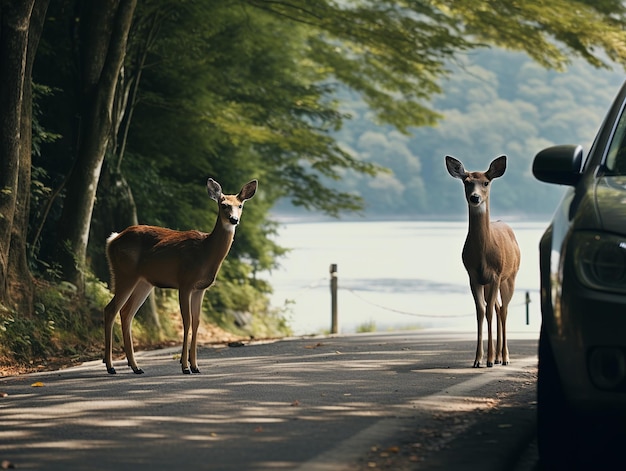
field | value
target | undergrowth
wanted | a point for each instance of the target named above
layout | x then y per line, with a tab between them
66	328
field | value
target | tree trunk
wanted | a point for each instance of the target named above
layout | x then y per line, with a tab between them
14	23
115	208
103	35
20	277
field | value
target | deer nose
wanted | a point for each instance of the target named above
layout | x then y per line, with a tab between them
233	220
474	199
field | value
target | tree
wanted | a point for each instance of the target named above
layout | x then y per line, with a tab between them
21	25
101	36
394	52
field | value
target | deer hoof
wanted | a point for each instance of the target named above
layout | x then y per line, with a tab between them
111	371
505	363
489	364
476	364
186	371
195	370
497	362
137	371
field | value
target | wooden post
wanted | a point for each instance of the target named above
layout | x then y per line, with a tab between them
334	326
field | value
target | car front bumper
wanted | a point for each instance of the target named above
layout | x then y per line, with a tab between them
588	337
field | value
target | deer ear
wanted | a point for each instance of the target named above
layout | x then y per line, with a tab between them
248	190
497	168
214	189
455	167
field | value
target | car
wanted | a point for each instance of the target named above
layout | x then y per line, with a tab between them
581	386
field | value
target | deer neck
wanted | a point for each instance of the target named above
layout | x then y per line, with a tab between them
219	241
479	233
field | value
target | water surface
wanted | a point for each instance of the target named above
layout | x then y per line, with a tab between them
393	275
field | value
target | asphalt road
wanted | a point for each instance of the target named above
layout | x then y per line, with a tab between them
396	401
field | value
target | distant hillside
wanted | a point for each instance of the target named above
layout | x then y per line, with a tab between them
494	103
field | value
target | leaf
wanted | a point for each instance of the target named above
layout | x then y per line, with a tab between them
38	384
318	344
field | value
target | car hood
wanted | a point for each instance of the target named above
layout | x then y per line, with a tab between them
610	203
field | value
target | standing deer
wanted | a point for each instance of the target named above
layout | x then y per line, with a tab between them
491	257
141	257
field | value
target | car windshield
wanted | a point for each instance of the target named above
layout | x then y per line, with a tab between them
616	157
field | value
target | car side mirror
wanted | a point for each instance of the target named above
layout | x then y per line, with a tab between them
559	164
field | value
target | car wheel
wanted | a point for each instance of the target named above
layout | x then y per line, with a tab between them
556	424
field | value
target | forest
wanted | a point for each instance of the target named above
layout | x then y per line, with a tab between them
116	112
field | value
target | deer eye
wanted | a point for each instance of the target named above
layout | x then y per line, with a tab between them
240	206
485	183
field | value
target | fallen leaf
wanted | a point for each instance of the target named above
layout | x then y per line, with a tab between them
393	449
38	384
258	429
318	344
295	403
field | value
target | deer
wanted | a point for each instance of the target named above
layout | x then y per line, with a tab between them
142	257
491	256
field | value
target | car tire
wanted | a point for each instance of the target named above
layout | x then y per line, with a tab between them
556	423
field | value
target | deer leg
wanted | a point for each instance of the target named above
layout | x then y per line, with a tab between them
492	293
498	360
185	311
196	310
507	290
130	308
490	350
505	347
110	311
479	301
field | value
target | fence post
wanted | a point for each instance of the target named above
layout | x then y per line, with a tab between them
334	326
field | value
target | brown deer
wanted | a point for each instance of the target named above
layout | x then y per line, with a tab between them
491	257
141	257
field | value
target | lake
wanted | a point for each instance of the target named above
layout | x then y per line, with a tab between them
392	275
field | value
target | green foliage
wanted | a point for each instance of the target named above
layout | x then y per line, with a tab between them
24	339
494	103
366	327
62	323
237	291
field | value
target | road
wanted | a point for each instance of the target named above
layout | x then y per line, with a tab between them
404	400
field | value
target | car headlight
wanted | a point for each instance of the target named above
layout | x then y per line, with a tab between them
600	260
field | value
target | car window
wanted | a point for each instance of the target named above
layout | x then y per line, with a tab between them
616	157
